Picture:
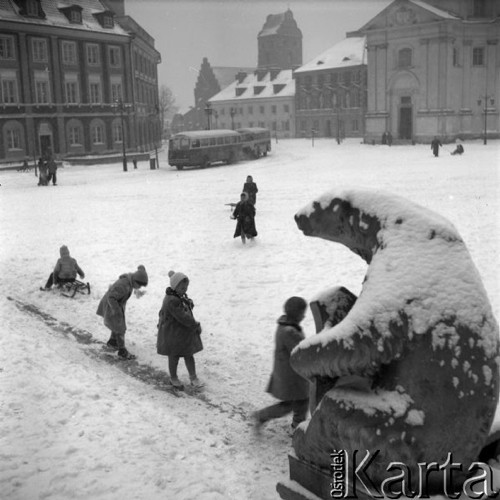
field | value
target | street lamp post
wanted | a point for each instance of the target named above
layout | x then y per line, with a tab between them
208	111
122	108
485	111
232	112
157	126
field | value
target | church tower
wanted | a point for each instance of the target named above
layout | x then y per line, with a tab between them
280	42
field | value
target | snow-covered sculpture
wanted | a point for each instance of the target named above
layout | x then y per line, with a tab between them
421	333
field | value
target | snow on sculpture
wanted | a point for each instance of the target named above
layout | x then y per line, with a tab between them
421	333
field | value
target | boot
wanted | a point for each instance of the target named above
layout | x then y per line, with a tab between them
123	353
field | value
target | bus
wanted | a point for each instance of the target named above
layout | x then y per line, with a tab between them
255	141
201	148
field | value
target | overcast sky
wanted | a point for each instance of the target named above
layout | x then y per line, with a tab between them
225	31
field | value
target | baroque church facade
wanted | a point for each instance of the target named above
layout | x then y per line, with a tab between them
433	70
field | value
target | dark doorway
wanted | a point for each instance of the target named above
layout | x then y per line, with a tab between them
405	122
45	145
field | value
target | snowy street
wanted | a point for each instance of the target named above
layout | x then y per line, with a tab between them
73	426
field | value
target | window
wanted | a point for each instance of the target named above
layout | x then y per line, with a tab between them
286	108
39	46
8	88
6	47
250	124
223	111
274	126
116	91
93	54
478	56
262	124
355	126
97	134
13	138
95	92
117	132
273	109
404	58
75	16
250	110
42	87
74	136
285	125
32	8
455	56
262	110
69	52
107	21
114	57
71	93
479	8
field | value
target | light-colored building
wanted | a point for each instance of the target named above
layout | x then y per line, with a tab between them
64	68
434	70
260	99
331	92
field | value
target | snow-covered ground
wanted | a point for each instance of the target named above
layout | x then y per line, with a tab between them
75	427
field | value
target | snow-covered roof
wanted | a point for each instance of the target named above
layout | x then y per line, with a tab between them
251	87
349	52
434	10
54	15
225	75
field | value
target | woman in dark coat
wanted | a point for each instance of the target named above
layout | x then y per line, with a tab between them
435	145
251	188
244	212
112	308
285	384
178	331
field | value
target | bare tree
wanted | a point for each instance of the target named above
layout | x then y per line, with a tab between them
167	107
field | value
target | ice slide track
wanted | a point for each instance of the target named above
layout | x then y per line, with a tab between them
133	368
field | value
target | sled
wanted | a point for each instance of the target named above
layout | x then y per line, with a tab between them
71	288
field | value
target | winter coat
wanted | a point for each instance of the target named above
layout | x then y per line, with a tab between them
245	213
251	189
52	165
112	305
285	383
178	331
435	146
67	267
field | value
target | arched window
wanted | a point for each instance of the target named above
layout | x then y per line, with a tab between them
405	58
13	138
74	133
97	134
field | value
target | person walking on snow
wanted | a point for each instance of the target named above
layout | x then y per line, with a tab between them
285	384
178	331
52	166
112	308
244	213
251	188
65	270
435	145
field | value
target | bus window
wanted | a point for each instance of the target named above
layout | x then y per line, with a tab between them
213	141
180	143
227	140
204	143
234	139
195	143
220	140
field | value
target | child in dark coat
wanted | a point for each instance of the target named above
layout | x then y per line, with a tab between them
112	308
244	213
178	331
65	270
285	384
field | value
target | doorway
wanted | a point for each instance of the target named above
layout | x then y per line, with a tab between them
46	145
406	118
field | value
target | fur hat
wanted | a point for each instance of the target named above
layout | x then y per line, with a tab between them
295	306
176	278
140	276
63	251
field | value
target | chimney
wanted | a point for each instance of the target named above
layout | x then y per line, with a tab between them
117	6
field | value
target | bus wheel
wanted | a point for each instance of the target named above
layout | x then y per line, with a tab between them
257	152
265	153
205	163
179	167
230	158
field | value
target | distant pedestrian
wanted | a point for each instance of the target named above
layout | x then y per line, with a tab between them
285	384
384	138
112	308
435	145
251	188
244	213
459	150
65	270
42	172
389	138
52	168
179	334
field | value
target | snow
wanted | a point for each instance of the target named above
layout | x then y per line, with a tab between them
73	426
